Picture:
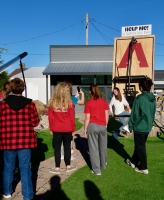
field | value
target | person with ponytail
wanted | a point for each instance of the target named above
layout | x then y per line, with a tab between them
95	127
141	121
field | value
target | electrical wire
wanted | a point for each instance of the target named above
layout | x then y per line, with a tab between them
106	25
101	33
26	40
33	54
80	33
159	43
118	30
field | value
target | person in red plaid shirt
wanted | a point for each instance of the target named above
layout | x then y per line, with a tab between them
18	116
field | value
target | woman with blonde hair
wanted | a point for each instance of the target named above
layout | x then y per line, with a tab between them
95	127
62	124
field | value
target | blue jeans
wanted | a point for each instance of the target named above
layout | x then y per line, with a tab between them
123	121
24	156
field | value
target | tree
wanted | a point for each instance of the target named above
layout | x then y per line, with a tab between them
2	49
4	77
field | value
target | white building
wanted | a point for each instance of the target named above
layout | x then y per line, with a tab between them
37	84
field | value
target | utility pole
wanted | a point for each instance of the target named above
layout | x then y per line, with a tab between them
86	28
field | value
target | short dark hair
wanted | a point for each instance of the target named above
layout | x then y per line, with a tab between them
146	84
17	86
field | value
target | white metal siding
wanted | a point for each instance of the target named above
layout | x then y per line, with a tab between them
36	89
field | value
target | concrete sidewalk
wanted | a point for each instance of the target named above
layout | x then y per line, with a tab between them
45	182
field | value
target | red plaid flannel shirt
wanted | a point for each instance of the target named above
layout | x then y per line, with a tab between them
16	127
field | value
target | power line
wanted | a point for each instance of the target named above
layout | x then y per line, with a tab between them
160	43
118	30
26	40
106	25
32	54
80	33
101	33
40	54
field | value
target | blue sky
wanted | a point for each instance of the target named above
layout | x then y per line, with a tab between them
32	26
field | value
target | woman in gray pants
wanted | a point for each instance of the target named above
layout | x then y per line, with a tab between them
95	127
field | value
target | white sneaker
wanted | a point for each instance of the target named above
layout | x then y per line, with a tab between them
145	171
98	174
6	196
55	171
126	128
71	168
130	163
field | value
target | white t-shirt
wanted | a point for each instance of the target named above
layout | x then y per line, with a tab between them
118	105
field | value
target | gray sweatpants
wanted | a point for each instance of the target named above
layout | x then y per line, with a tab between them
97	142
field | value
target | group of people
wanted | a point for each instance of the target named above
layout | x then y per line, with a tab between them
140	120
18	116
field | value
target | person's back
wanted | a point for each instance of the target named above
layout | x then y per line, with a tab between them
62	120
143	112
18	117
62	125
97	110
140	122
95	127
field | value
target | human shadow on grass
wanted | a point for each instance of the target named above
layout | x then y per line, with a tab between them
161	138
91	191
81	144
55	191
37	156
113	125
114	144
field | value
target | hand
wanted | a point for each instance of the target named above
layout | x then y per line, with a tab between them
77	94
73	133
81	92
51	132
85	133
111	114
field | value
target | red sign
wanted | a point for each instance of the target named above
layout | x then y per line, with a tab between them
137	47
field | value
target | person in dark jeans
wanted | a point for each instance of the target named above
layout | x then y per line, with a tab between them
18	117
61	116
141	121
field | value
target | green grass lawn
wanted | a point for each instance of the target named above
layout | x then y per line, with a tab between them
118	180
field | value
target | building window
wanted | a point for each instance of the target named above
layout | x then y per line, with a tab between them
87	79
109	79
100	80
